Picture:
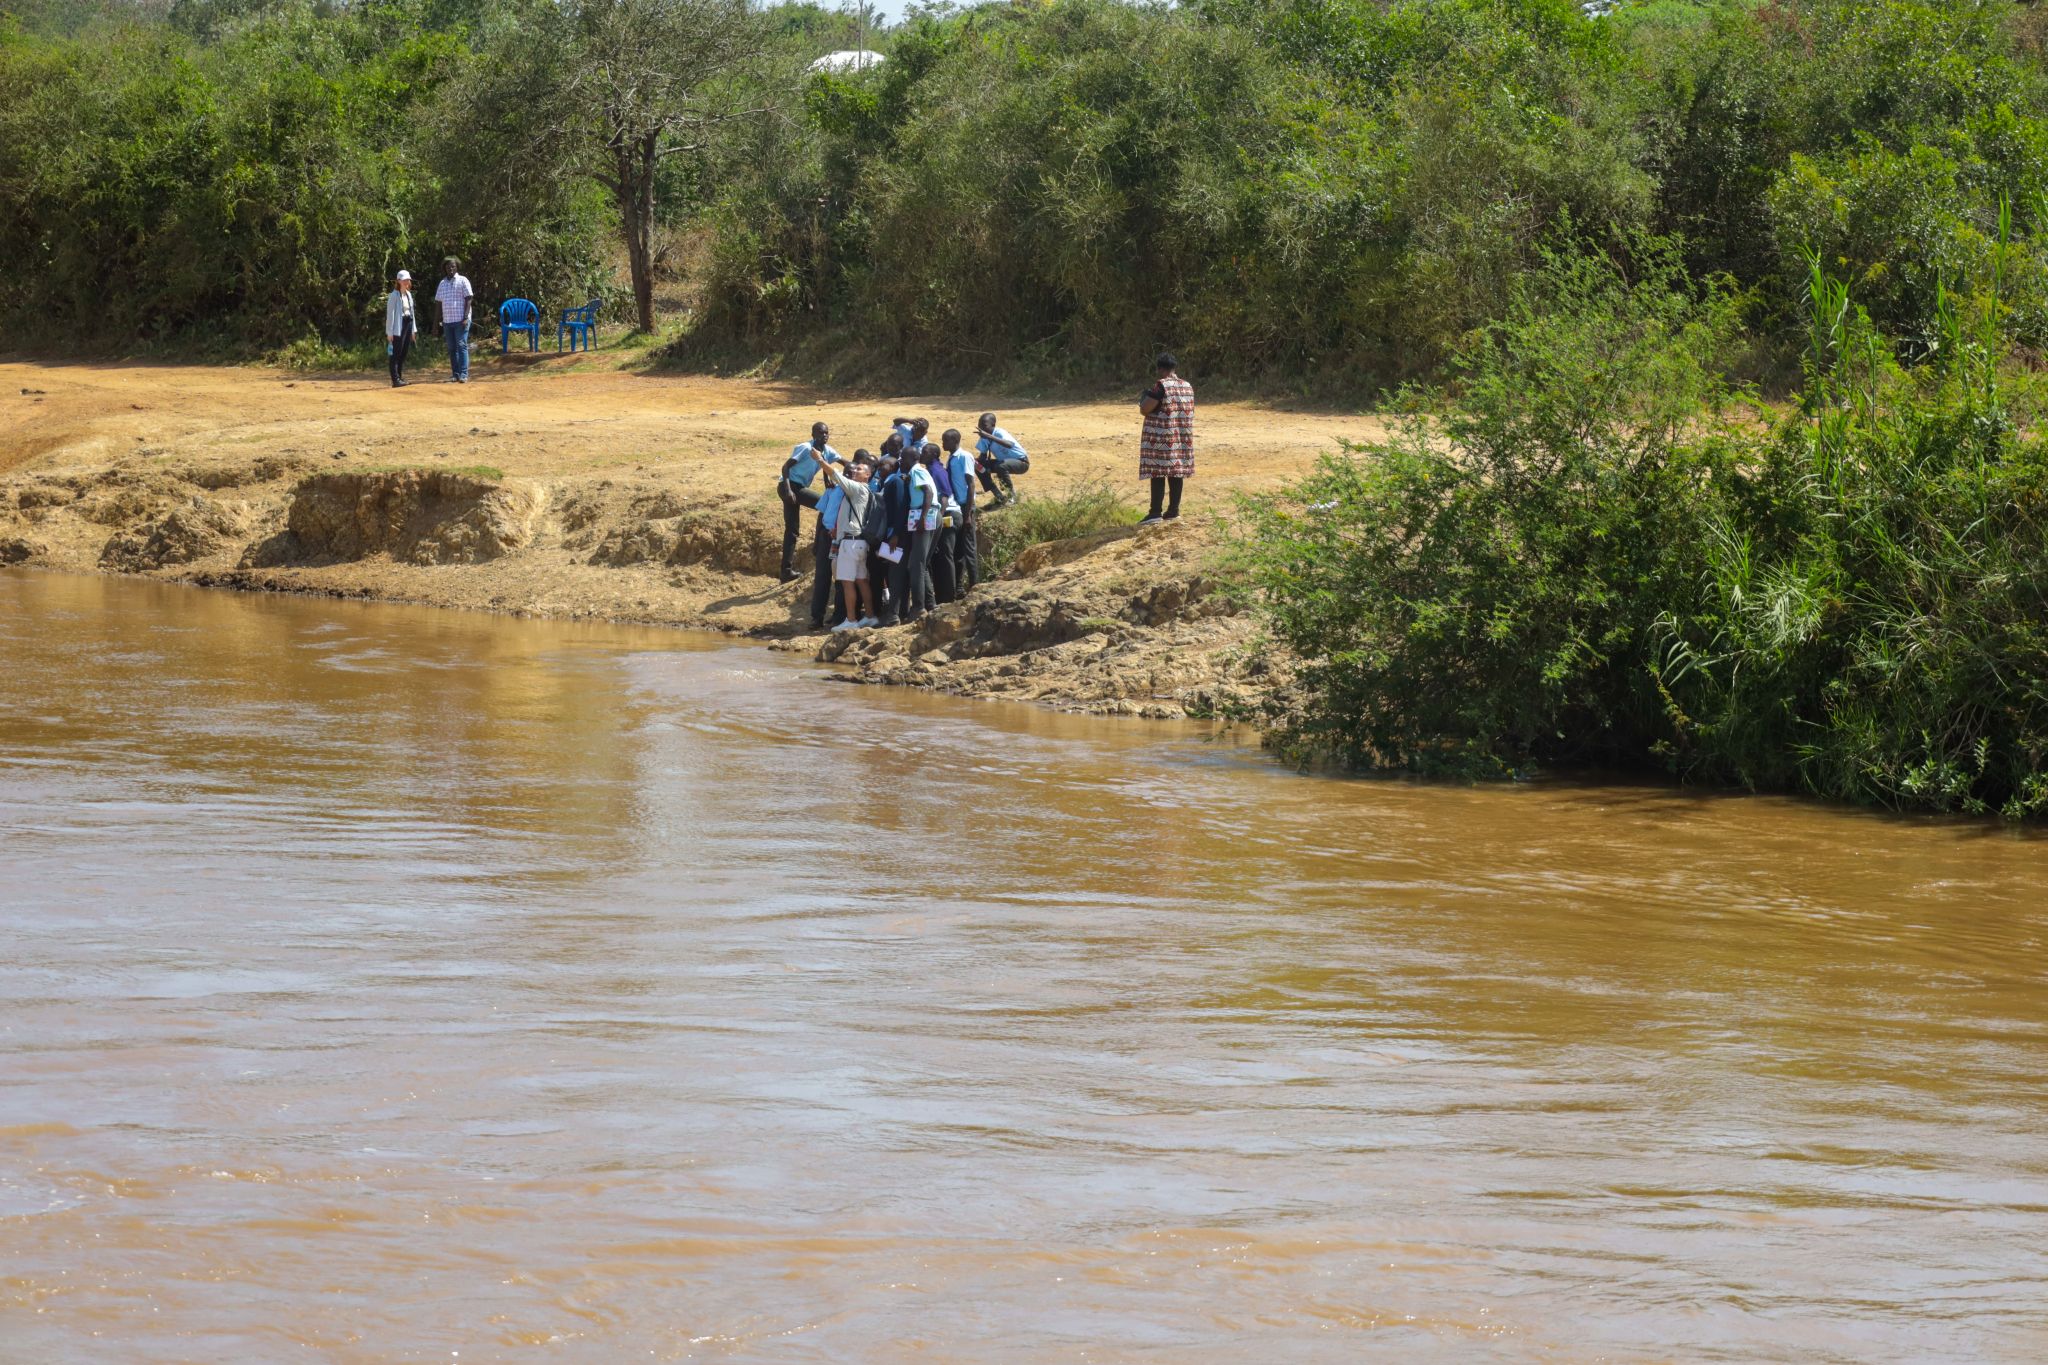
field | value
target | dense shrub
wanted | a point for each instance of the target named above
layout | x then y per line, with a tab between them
1332	192
258	182
1482	592
1877	629
1591	559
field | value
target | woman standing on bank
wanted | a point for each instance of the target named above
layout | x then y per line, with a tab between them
1166	449
400	326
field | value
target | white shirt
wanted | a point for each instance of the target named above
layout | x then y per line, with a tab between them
453	294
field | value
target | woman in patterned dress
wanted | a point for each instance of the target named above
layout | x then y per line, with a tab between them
1166	450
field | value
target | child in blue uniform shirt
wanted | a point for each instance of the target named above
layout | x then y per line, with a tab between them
998	455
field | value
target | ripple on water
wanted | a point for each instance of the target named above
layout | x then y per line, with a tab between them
383	981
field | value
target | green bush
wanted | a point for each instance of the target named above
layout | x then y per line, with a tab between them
1878	630
1591	559
1481	593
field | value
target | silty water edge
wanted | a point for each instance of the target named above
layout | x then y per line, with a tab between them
398	983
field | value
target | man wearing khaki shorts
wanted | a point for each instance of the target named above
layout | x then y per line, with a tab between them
850	542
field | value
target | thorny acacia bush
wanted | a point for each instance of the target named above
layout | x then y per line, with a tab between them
1591	559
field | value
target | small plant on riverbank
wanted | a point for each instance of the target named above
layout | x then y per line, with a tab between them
1587	561
1034	519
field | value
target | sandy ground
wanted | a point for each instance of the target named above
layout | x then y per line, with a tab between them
582	489
717	433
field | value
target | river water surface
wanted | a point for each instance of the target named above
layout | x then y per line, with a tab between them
387	984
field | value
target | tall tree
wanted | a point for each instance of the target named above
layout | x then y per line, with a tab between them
610	88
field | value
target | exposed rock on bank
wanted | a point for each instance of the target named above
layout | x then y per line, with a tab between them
136	516
1129	622
189	532
1126	622
416	516
21	550
620	524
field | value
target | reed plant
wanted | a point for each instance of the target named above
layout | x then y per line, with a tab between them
1879	632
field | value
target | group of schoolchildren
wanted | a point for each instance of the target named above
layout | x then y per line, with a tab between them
896	531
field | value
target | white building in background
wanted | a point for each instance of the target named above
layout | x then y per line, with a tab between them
850	59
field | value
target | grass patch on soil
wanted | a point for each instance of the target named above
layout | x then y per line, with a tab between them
1084	509
489	472
312	355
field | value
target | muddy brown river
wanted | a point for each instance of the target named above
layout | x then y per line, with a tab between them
384	984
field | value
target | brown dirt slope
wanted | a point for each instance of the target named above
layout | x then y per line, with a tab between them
568	492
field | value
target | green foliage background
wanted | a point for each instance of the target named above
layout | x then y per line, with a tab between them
1577	247
1318	194
1328	194
246	175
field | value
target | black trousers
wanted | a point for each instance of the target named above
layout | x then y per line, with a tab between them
399	350
1160	488
944	570
910	581
794	501
964	548
824	601
878	583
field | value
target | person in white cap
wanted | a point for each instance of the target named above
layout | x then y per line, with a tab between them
400	326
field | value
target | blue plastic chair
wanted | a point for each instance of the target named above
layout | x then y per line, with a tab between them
579	324
518	315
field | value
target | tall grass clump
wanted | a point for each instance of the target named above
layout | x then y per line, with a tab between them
1879	632
1085	508
1592	558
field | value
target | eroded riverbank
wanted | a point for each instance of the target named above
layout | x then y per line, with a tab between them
388	983
612	496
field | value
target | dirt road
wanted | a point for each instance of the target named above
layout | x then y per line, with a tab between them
724	433
583	489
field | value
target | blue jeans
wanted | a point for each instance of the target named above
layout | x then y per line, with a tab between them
458	348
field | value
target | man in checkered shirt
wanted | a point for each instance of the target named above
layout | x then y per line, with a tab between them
454	296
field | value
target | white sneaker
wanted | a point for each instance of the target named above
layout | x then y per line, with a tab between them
1152	520
846	625
868	622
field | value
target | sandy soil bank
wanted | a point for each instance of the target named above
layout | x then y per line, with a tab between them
549	490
